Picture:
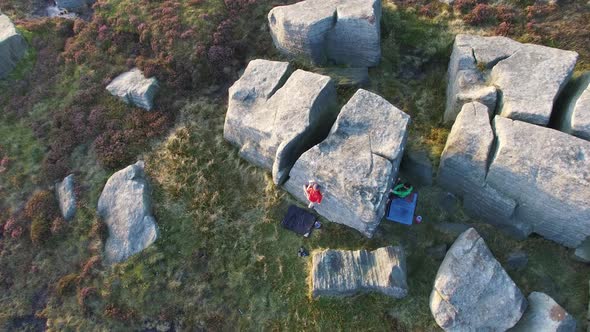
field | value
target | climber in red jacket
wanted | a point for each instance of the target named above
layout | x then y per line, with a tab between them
313	194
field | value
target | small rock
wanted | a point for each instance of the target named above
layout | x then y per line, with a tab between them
133	88
66	197
517	260
544	315
125	207
437	252
12	46
344	272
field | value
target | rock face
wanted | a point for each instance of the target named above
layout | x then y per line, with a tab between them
125	207
522	177
133	88
356	164
518	81
577	117
74	5
274	125
337	31
472	292
66	197
341	272
12	46
416	165
544	315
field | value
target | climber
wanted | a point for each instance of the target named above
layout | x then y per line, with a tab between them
313	194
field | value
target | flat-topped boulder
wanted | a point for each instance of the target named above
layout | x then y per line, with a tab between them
544	315
273	125
527	77
345	272
546	172
66	197
125	207
472	292
329	31
577	114
355	166
12	46
135	89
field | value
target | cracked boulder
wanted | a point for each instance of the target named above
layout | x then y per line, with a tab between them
125	207
345	272
577	113
133	88
547	173
66	197
356	164
329	31
518	81
472	292
544	315
12	46
273	125
464	162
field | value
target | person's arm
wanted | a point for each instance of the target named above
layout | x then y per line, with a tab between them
305	191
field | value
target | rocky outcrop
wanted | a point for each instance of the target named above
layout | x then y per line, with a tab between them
518	81
343	272
272	124
472	292
67	197
125	206
12	46
356	164
577	114
522	177
336	31
133	88
544	315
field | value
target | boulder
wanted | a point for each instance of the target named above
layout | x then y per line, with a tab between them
344	272
273	125
546	172
527	77
67	197
530	81
356	164
125	207
329	31
12	46
472	292
577	113
133	88
74	5
544	315
417	167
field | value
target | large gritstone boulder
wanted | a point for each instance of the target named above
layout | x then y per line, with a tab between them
133	88
66	197
544	315
547	173
125	206
356	164
274	125
518	81
12	46
577	114
472	292
344	272
338	31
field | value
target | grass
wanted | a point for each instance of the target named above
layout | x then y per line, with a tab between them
222	261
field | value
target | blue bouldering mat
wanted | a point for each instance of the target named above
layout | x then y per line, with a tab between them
298	220
402	210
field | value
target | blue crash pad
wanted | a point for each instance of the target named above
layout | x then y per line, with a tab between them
402	210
